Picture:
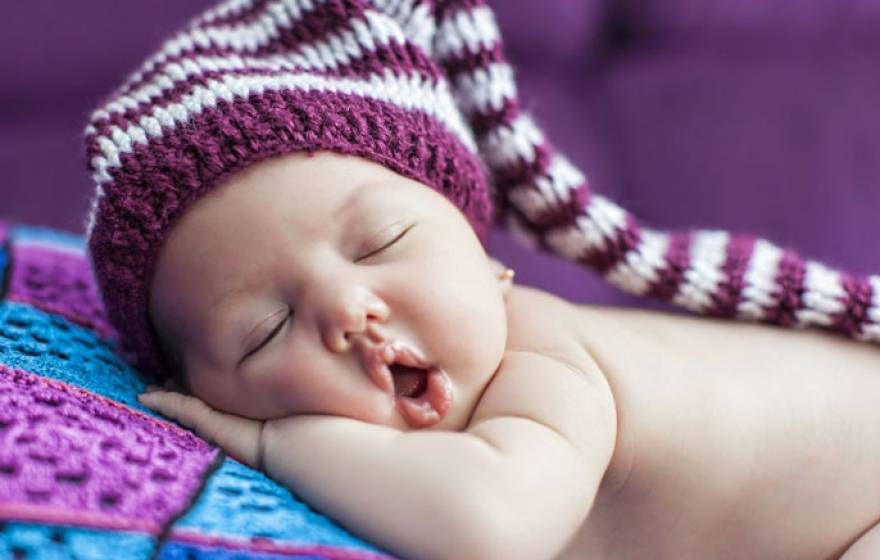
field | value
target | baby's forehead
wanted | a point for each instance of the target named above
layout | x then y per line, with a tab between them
327	181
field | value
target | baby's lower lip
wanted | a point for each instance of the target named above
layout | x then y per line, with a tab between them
431	405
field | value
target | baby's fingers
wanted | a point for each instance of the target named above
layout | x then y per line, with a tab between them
238	436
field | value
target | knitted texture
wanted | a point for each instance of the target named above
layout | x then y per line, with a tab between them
241	509
85	471
43	541
423	87
51	275
72	456
244	83
549	203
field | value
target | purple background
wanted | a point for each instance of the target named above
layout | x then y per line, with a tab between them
749	115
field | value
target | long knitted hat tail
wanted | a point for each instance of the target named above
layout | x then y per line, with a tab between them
422	87
542	196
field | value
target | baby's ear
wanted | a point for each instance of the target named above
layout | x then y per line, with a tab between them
502	273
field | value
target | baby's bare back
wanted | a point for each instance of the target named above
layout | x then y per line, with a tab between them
734	440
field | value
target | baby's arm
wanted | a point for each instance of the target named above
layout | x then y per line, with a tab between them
516	484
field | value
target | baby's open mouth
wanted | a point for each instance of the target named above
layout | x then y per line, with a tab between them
409	381
421	392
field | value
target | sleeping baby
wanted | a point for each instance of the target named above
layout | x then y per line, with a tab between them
290	226
355	342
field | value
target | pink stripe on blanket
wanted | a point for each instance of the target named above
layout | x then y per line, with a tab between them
66	516
261	544
65	451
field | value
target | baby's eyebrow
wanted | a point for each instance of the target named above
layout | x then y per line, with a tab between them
218	317
350	202
224	297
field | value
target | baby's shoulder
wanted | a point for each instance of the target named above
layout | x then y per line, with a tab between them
541	323
548	376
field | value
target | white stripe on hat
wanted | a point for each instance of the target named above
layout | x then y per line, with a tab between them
484	89
224	10
466	30
639	269
505	145
823	295
266	25
336	51
871	331
603	221
410	92
758	294
414	17
874	311
708	253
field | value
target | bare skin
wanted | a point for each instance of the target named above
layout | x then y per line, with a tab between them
542	429
734	441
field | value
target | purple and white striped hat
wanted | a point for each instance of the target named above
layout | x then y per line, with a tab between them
422	87
247	81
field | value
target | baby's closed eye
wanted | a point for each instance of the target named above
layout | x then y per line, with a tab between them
287	314
384	239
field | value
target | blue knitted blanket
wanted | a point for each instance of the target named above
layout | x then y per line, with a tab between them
88	473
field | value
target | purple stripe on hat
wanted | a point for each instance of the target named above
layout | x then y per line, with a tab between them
788	293
560	213
269	546
313	25
483	123
251	13
171	172
728	293
467	62
677	260
522	171
857	302
624	240
403	60
65	450
58	282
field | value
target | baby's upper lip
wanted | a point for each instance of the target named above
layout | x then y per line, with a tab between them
407	356
375	358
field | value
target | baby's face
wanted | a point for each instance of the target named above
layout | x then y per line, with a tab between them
304	285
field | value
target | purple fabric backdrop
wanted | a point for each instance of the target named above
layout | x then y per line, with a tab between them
751	115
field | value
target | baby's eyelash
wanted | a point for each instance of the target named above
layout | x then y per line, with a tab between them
397	238
269	336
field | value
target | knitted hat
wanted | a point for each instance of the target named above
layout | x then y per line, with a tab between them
422	87
246	82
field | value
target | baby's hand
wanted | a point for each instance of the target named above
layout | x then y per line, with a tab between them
238	436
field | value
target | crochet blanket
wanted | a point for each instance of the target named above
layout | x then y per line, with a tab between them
85	471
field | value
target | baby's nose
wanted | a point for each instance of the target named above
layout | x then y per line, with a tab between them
351	311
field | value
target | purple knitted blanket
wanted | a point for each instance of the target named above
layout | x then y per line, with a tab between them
85	471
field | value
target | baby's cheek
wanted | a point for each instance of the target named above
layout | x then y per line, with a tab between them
478	345
219	390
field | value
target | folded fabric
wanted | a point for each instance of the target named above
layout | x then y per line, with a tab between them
86	471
